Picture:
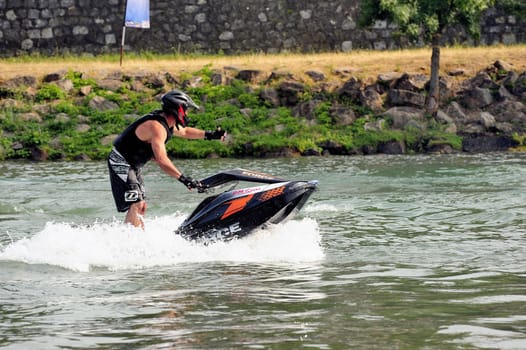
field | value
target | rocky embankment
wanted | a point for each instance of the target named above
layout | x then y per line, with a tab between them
487	110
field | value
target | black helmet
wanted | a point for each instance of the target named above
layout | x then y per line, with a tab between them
176	103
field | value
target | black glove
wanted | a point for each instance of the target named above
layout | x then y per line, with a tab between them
189	182
216	134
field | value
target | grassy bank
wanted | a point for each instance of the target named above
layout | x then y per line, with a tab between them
46	120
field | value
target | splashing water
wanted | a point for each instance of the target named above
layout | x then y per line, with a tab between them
116	246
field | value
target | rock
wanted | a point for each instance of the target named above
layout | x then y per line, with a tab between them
249	75
62	118
401	116
216	78
387	79
481	80
487	120
9	103
65	85
414	82
315	75
503	66
477	98
510	80
504	94
109	84
82	128
456	72
278	75
171	79
19	81
490	143
443	118
193	82
154	81
505	128
509	111
138	86
42	109
372	99
519	88
374	126
397	97
333	148
392	147
270	96
30	93
31	117
85	90
352	89
48	78
455	111
82	157
342	115
108	140
310	152
440	148
289	93
101	104
38	154
306	110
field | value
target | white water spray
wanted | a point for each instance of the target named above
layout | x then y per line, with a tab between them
116	246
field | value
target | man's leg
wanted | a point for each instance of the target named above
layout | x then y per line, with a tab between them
136	214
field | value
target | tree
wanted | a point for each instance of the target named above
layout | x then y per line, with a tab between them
513	7
428	19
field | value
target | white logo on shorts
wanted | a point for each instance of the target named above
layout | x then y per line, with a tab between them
131	196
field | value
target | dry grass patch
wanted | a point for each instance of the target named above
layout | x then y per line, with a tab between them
363	64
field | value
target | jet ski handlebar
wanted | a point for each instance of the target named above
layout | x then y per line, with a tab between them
237	175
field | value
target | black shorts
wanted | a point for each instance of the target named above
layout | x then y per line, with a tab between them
126	181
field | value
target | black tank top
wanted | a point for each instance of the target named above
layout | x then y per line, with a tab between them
135	151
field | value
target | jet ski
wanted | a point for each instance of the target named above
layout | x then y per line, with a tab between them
235	213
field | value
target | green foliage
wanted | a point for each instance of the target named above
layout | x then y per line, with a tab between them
512	7
79	81
426	18
49	92
322	112
67	107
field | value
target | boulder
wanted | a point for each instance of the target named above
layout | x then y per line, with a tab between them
477	98
411	82
102	104
249	75
392	147
489	143
455	111
65	85
56	76
398	97
509	111
342	115
315	75
352	89
405	116
372	99
109	84
306	110
289	93
270	96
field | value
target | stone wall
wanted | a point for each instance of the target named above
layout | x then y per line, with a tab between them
51	27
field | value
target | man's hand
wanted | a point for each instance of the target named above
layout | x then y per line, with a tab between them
190	183
217	134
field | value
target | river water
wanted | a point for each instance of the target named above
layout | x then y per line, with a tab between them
393	252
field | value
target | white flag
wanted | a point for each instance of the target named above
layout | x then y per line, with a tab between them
137	14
